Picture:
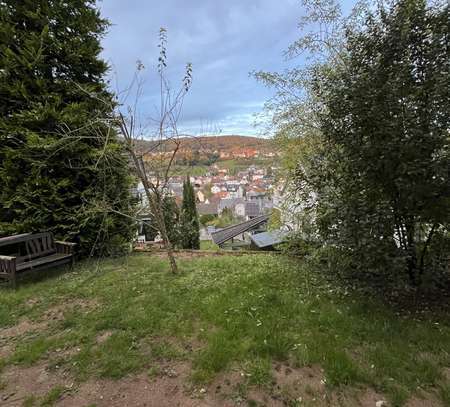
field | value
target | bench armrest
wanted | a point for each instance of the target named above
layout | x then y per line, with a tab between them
65	247
8	258
7	264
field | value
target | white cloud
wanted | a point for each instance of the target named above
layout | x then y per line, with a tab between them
224	40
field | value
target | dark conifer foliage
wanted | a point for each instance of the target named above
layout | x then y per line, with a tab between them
56	171
190	233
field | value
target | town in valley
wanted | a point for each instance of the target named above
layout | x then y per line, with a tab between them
235	178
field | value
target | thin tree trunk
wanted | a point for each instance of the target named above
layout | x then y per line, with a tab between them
170	109
156	207
159	214
424	250
411	253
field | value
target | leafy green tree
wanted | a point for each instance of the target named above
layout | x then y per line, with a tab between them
386	119
57	173
275	221
207	219
372	112
189	227
225	219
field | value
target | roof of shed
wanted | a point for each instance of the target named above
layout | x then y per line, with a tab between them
271	238
228	233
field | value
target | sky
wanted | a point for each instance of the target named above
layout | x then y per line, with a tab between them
224	40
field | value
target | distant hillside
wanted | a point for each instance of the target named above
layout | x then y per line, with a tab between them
226	143
205	144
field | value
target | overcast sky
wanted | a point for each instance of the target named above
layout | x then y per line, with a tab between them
224	41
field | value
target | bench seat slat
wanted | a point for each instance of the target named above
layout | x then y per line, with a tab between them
43	260
21	259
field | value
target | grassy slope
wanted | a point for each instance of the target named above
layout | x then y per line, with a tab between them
208	245
248	310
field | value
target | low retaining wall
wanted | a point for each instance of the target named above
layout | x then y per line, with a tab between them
202	252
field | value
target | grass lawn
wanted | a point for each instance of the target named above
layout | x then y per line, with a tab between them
208	245
192	170
237	329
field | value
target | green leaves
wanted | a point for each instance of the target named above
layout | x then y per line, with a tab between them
365	134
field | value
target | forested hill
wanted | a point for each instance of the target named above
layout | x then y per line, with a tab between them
219	143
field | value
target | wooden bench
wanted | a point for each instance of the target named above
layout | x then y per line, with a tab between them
29	252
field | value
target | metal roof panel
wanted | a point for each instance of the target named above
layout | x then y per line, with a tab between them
221	236
271	238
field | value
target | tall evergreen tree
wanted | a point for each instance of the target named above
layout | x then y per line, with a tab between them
190	232
56	171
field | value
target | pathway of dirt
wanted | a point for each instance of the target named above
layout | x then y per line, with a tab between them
171	385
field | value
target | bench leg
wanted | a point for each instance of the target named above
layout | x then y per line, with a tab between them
13	281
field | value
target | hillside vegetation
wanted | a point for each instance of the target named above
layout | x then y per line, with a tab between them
219	143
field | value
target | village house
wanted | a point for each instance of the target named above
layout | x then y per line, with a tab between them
247	210
207	209
201	196
176	189
220	195
229	203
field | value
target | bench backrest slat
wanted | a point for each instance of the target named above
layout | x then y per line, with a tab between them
9	240
35	245
41	244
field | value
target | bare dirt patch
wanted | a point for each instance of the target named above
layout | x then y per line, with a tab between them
262	398
24	327
10	335
170	388
32	302
307	385
426	400
309	376
56	313
370	398
288	386
169	385
37	380
103	337
227	388
6	350
301	384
